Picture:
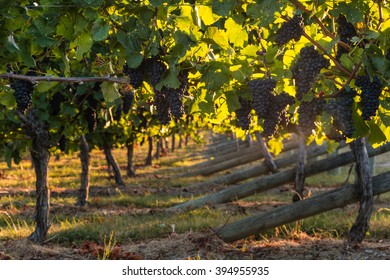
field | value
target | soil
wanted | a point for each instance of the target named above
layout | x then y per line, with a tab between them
205	246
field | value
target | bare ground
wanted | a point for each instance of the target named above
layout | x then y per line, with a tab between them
205	245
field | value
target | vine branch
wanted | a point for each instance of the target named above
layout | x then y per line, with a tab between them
78	80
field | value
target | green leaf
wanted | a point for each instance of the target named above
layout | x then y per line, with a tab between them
376	137
110	92
223	7
232	101
361	128
264	11
89	3
235	32
100	30
11	45
213	35
207	16
134	60
7	99
215	75
65	28
354	10
83	44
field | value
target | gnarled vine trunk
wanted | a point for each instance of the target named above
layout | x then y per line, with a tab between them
40	155
84	177
148	160
364	188
130	154
111	161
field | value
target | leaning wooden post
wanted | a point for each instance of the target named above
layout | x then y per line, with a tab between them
364	188
300	169
267	155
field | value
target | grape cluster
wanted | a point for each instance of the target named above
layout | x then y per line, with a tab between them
91	118
118	112
346	31
128	99
136	76
155	69
277	114
243	114
62	143
335	134
306	69
291	29
261	91
162	106
23	91
388	54
341	110
175	101
308	112
371	90
55	103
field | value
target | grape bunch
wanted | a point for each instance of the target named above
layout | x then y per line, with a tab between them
62	143
335	134
371	90
261	91
118	112
55	103
341	110
23	91
243	113
162	106
306	69
388	54
136	76
128	99
308	112
346	31
175	101
155	69
291	29
277	114
91	118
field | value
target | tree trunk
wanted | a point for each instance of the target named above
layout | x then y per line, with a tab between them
158	147
187	137
364	189
266	154
111	161
269	182
148	160
299	185
180	145
85	161
130	155
173	142
40	156
299	210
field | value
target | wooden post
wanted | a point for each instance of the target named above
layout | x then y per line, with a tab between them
299	185
266	154
364	189
269	182
299	210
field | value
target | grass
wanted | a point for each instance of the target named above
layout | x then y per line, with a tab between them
138	214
